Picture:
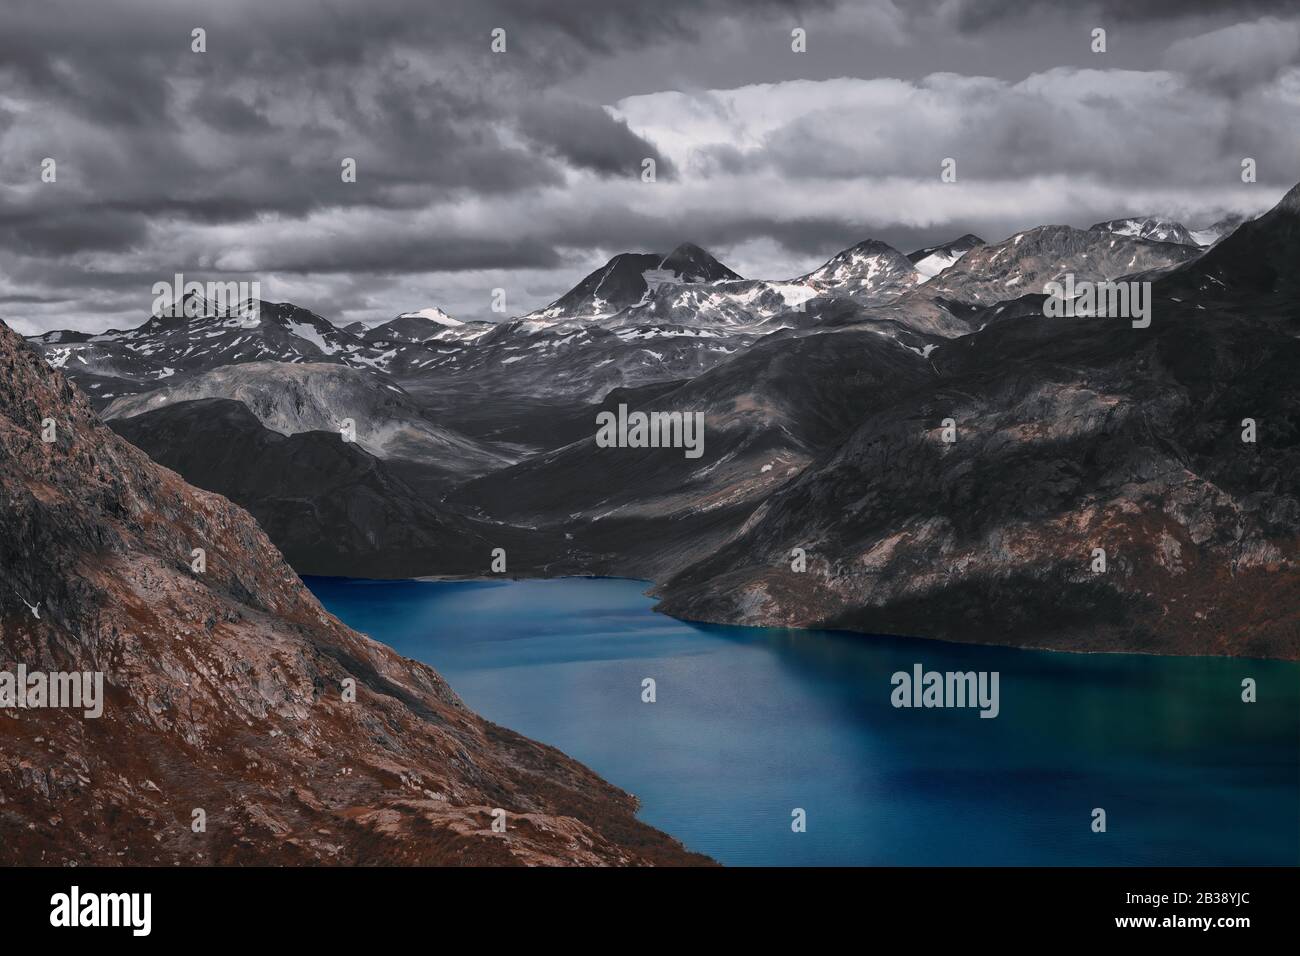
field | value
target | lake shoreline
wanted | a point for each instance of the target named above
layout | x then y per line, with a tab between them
750	724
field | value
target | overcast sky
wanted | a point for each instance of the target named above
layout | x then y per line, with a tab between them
522	170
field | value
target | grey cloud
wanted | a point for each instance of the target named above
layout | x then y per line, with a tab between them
230	114
1236	58
976	15
389	255
1139	135
589	138
170	159
59	234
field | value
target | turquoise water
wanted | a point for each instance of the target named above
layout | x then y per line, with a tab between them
751	723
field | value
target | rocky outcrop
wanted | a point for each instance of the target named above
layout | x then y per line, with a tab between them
1066	436
305	397
329	506
228	691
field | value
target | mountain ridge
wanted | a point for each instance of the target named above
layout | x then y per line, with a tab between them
225	689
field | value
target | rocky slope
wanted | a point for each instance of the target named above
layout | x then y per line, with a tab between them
1071	435
295	398
639	511
1149	227
988	275
329	506
932	260
1132	446
225	689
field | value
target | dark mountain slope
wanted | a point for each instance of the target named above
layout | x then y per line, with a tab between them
224	689
768	412
329	506
1255	266
1072	435
303	397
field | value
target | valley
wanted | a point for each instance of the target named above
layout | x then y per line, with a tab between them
820	398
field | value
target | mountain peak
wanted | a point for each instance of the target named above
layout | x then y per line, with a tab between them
870	271
627	278
689	263
687	250
420	326
432	315
1154	228
932	260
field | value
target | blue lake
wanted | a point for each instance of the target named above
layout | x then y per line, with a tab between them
751	723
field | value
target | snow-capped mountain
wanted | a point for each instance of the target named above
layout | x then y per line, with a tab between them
1218	230
62	337
251	332
869	272
1160	229
741	305
801	382
432	314
572	359
422	326
689	313
932	260
1030	259
1153	228
991	277
627	278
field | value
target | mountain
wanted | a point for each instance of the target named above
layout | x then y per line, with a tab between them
932	260
868	274
871	271
821	397
116	362
745	306
329	506
626	278
295	398
409	327
1167	230
1150	227
1070	435
1029	260
1217	230
1248	272
223	690
768	413
956	300
62	337
580	361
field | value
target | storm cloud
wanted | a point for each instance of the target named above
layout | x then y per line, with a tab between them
522	169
